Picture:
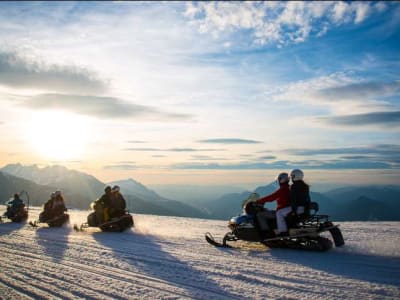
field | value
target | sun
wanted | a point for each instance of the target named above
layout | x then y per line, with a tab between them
58	135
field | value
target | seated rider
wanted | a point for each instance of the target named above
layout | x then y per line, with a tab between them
282	196
58	207
46	213
299	193
13	206
103	206
118	203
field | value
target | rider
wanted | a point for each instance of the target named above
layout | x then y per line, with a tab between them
53	207
13	205
299	193
103	206
58	207
118	202
282	196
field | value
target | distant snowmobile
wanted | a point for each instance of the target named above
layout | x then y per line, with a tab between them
16	213
304	232
116	224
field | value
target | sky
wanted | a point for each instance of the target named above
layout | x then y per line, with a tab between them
203	92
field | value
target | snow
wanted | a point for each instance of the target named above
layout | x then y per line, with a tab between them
168	258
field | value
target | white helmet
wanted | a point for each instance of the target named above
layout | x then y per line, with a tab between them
283	178
296	175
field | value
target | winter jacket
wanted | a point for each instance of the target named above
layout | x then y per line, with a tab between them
118	201
282	196
299	195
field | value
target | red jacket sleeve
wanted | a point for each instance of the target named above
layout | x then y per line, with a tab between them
275	195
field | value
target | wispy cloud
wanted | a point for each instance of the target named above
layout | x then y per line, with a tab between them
287	165
171	149
383	119
121	167
382	149
20	72
102	107
278	22
229	141
268	157
136	142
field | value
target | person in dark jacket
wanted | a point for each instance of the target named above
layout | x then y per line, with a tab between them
13	205
53	207
299	193
118	202
282	196
103	206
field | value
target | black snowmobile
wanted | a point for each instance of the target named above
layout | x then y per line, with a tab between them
56	221
52	217
21	212
304	230
116	224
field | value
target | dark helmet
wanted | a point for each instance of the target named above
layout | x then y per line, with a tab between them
16	196
107	189
283	178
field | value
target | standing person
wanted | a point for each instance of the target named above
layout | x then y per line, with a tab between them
118	202
282	196
299	193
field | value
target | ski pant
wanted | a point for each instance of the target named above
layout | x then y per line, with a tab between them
280	218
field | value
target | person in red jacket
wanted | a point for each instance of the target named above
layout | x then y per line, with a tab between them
282	196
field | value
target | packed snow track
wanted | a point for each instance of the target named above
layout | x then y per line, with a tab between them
168	258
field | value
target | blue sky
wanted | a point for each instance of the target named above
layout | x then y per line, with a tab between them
220	92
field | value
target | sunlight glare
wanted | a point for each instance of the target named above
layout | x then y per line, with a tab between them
58	135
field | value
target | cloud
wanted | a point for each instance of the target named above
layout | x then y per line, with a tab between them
229	141
384	119
277	22
287	165
136	142
20	72
268	157
206	157
171	149
122	167
359	91
382	149
100	107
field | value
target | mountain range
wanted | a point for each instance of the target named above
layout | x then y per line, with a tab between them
353	203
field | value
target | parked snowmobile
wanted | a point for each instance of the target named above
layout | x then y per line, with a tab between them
17	213
115	224
304	231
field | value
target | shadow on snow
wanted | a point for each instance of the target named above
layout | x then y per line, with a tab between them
145	254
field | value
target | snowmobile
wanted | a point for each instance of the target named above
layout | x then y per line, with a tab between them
20	215
116	224
304	230
56	221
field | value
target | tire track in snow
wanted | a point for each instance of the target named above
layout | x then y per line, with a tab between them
121	275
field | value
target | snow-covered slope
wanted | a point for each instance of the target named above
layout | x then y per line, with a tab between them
167	257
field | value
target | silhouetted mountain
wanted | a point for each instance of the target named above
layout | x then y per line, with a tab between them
134	188
38	194
147	201
81	189
59	177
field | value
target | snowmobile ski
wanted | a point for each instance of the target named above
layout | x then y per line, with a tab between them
211	240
